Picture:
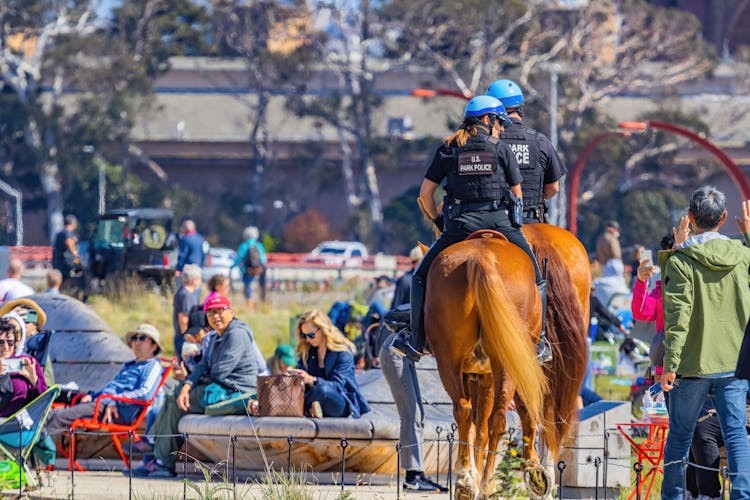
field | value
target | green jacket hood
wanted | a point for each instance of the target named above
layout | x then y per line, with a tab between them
717	255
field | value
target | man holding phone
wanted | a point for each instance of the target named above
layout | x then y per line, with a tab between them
706	306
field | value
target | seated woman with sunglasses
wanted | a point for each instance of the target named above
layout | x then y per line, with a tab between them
326	363
21	377
138	379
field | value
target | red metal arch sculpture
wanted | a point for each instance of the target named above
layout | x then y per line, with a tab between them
733	170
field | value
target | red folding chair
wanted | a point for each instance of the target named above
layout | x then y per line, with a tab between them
115	430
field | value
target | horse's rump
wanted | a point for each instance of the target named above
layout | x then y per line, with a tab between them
487	296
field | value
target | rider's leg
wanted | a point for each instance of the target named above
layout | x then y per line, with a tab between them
515	236
411	343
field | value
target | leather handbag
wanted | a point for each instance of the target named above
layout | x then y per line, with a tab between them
281	396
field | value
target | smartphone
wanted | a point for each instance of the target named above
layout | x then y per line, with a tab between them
655	389
31	316
648	255
13	365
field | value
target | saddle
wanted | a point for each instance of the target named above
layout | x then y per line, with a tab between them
487	233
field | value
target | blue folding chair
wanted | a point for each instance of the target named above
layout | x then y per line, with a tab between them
22	430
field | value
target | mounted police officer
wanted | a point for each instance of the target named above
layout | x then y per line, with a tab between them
540	166
483	191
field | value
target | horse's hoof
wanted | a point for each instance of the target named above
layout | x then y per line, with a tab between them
464	494
537	482
466	488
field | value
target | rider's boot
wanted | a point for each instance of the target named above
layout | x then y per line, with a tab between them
543	348
410	342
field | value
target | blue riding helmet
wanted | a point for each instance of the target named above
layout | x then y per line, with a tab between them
484	104
507	91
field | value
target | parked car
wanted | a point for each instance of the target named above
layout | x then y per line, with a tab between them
338	253
219	261
134	241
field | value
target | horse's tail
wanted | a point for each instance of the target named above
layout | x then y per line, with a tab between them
504	334
566	332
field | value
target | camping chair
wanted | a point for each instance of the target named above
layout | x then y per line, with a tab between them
22	430
116	431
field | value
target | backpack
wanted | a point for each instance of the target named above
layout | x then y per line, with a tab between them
339	314
11	475
253	262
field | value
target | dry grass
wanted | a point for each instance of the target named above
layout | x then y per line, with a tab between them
271	322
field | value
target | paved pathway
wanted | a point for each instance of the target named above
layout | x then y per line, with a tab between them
96	485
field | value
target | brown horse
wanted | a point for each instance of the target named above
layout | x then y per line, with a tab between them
482	320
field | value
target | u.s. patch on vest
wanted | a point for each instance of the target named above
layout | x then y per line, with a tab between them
475	163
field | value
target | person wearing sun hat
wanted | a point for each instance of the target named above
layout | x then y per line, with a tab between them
34	341
30	324
138	379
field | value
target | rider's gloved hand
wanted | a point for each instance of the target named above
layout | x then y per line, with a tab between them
439	222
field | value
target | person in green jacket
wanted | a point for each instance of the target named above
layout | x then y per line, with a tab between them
706	308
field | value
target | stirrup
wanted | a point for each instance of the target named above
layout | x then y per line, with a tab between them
400	347
543	350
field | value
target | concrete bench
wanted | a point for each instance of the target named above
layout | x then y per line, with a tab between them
316	445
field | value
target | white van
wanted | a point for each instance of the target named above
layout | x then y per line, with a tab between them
338	253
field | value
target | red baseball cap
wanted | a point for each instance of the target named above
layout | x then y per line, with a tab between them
217	302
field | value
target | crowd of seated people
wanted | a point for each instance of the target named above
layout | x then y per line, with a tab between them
220	359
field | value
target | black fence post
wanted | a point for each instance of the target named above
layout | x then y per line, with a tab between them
233	440
398	470
185	436
344	444
561	466
597	464
724	480
290	441
71	433
438	431
450	463
606	461
130	464
638	468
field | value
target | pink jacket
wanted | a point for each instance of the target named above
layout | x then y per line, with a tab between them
647	306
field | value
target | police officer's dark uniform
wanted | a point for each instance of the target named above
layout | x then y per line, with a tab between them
539	165
478	177
534	152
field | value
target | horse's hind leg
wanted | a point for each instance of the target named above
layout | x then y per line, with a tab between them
497	423
483	404
466	471
538	481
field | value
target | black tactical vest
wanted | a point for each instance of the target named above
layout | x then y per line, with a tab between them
524	143
476	174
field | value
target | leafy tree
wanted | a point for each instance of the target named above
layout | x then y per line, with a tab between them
469	42
305	230
404	224
600	49
111	64
348	107
278	46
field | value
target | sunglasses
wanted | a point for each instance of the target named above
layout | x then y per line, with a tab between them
140	338
310	335
217	311
8	342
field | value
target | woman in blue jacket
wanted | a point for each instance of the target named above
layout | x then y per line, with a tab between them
326	363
